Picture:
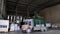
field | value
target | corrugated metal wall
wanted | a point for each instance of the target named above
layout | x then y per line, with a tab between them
52	14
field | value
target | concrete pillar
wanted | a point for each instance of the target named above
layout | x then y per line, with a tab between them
2	8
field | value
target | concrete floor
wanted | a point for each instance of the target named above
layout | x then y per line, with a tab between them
47	32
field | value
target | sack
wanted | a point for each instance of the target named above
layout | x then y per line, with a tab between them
16	27
12	27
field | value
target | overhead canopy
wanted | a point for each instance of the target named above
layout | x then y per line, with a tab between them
20	7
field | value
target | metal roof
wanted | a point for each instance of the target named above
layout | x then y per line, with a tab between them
21	7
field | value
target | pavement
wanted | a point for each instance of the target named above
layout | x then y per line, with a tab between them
47	32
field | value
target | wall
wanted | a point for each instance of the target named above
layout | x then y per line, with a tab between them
51	14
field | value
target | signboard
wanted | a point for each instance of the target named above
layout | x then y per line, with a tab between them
4	25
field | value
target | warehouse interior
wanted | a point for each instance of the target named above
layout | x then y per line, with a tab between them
49	10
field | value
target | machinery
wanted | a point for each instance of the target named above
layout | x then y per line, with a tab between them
28	26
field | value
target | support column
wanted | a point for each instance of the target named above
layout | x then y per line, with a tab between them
2	8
